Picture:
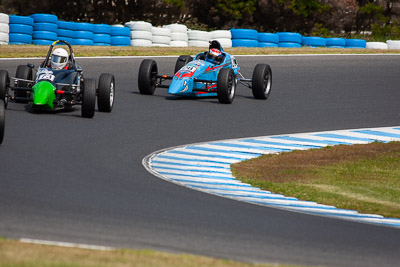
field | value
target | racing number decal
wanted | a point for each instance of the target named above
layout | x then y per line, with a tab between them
234	62
46	76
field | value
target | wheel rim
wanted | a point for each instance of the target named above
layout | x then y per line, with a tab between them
267	82
111	94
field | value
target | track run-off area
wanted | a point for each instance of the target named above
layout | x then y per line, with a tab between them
73	180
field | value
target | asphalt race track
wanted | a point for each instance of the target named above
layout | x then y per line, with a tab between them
70	179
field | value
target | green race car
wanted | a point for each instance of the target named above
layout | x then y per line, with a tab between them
58	84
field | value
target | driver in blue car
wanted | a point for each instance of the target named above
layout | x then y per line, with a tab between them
214	54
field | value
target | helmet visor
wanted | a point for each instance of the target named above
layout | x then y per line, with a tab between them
58	59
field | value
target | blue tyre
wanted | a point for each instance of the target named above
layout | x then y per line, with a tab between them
289	45
83	35
65	33
266	44
67	39
82	42
120	31
290	37
120	40
102	38
102	44
14	19
102	29
84	26
20	38
66	25
268	37
340	42
314	41
44	35
244	43
44	18
244	34
44	26
42	42
356	43
21	28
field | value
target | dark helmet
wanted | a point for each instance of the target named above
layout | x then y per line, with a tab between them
214	54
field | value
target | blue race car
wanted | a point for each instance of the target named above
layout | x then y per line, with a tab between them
213	73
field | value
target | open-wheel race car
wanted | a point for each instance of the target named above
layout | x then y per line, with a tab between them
213	73
58	84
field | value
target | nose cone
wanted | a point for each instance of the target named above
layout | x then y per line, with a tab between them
181	87
43	95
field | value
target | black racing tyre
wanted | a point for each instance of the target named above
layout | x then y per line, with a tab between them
2	120
226	86
106	92
147	79
182	61
4	84
88	98
23	72
261	81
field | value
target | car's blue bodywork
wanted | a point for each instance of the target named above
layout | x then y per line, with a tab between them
198	77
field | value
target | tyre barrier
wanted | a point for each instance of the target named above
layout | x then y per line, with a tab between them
223	37
266	37
120	36
336	42
244	38
313	41
160	37
290	37
44	29
4	29
244	43
179	35
66	31
83	33
393	44
140	33
289	45
356	43
198	38
267	44
376	45
20	29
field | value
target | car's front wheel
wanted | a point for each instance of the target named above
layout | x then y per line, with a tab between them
23	72
182	61
261	81
88	98
2	120
106	92
147	79
4	84
226	86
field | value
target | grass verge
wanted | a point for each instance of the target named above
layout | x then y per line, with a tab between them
17	254
365	178
18	51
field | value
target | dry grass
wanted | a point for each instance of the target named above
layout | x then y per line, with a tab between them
17	254
18	51
365	178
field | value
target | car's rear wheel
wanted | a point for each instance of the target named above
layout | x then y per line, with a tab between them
147	78
226	86
2	120
4	84
182	61
88	98
23	72
106	92
261	81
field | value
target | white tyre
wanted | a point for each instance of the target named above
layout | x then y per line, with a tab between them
117	25
198	43
199	36
141	35
4	27
179	36
139	26
225	42
376	45
221	34
4	37
160	31
393	44
179	44
4	18
141	42
3	43
161	39
176	28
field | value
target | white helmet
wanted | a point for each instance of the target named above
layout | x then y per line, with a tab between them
59	58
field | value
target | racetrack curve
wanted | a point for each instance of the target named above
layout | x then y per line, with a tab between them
66	178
